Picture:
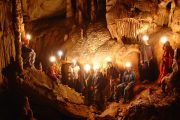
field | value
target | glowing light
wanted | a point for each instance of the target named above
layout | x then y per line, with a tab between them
74	61
145	37
28	36
60	53
128	64
96	66
87	67
109	59
164	39
52	59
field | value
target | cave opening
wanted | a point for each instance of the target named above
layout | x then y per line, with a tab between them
89	59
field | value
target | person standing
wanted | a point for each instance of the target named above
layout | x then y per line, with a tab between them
75	73
87	85
113	76
146	60
98	83
167	61
171	81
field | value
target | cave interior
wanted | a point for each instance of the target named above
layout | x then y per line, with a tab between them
55	57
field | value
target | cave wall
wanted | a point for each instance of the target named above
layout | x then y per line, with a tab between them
132	18
175	16
7	45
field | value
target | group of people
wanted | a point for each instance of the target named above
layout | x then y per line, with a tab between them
111	83
96	84
169	65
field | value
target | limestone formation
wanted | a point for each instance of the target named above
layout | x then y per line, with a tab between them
62	98
69	9
93	12
18	21
7	45
175	17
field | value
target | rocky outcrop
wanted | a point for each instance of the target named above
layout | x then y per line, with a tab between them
57	96
175	16
148	104
155	106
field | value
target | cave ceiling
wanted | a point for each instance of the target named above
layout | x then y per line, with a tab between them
37	9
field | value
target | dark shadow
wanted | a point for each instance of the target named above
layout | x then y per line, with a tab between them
129	41
10	72
11	99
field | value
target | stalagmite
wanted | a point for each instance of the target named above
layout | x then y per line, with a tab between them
69	10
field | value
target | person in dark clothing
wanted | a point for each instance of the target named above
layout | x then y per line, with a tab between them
87	86
128	81
74	76
98	81
113	75
146	60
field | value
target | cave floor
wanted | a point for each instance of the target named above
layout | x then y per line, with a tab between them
147	97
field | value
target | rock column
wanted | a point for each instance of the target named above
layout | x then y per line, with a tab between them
18	22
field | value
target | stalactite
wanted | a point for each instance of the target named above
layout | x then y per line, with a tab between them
79	11
93	14
69	10
130	28
17	30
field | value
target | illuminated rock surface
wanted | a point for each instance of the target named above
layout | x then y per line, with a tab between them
59	97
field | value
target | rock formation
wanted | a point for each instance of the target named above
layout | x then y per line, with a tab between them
62	98
7	43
